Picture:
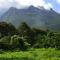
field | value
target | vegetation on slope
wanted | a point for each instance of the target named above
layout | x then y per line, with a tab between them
27	43
25	37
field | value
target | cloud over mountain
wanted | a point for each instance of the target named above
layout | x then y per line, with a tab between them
20	3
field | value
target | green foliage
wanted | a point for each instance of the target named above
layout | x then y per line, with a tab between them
13	43
24	29
18	42
26	32
7	29
34	54
24	37
4	42
52	39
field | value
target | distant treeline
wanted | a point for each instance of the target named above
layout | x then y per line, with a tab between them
24	37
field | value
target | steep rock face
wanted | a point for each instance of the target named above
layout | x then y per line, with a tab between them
33	16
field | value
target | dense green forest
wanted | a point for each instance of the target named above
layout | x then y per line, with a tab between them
26	43
24	37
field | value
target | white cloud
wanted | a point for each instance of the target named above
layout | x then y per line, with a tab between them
30	2
5	3
58	1
19	3
48	6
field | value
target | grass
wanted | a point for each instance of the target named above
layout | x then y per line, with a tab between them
32	54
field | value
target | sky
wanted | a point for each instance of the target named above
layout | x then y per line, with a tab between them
47	4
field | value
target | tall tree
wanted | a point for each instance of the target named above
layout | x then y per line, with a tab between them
7	28
26	32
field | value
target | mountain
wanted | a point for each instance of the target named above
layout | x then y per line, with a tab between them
37	17
2	11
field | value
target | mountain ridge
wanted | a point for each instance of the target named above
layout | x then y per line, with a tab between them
33	16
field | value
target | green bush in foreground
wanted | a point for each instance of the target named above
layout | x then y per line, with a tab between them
32	54
14	42
52	40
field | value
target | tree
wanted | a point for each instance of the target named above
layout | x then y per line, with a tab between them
7	29
18	42
26	32
4	43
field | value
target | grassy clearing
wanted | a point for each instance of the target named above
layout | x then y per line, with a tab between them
32	54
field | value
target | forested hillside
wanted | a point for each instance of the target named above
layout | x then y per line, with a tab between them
25	37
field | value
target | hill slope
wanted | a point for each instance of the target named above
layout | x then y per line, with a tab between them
34	17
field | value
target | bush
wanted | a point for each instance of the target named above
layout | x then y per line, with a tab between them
52	40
